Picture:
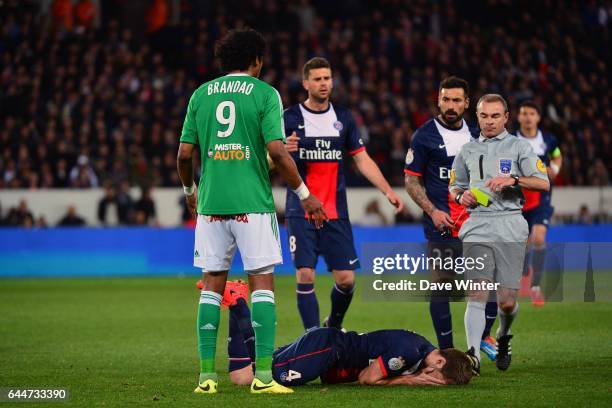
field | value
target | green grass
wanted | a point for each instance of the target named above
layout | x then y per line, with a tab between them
118	342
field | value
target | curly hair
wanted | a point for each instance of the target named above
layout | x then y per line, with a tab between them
239	48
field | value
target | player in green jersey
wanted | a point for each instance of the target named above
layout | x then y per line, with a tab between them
236	120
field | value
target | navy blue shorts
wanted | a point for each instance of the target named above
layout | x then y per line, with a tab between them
307	358
334	241
538	216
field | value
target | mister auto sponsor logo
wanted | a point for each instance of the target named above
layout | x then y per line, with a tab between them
230	151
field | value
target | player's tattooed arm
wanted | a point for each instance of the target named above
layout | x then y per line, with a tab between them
416	191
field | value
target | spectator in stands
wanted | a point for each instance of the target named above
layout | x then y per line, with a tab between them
61	11
71	219
405	217
82	175
145	208
118	96
157	16
85	13
125	204
41	222
598	174
373	215
584	215
20	216
106	202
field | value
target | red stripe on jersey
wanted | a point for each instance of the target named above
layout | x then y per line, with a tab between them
382	366
414	173
458	213
354	152
314	353
532	199
322	181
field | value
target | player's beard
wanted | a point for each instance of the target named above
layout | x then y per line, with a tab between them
453	119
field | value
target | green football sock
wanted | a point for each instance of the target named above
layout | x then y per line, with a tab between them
263	319
209	314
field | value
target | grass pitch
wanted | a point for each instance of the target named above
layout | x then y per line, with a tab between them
119	342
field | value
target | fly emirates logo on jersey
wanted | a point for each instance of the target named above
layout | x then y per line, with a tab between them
230	151
322	151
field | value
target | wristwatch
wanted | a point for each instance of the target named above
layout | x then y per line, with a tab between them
458	197
516	179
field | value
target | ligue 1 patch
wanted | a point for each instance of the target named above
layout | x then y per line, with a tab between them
505	166
210	153
396	363
540	165
338	125
452	176
409	156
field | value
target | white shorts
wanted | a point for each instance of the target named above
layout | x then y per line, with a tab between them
255	235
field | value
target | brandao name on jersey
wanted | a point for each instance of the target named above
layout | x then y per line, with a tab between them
324	136
546	147
432	151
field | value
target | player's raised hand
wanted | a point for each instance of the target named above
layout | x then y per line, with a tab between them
395	201
192	202
314	209
496	184
468	199
441	219
291	144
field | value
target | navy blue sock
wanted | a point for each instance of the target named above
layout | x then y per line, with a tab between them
340	301
490	315
539	254
238	351
439	309
243	314
308	305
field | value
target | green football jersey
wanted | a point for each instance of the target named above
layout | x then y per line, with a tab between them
232	118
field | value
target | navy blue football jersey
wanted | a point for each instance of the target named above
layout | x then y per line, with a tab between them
398	352
545	145
432	150
325	136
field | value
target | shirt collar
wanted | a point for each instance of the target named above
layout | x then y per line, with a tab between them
501	136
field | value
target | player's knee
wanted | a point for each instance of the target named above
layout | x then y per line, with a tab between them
538	236
243	376
305	275
344	279
507	305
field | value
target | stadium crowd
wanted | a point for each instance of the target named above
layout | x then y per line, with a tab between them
92	96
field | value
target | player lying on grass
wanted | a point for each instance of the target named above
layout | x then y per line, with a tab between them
383	357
